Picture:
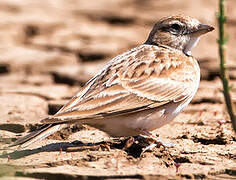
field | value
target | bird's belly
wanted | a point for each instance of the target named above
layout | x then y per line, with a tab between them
130	125
164	115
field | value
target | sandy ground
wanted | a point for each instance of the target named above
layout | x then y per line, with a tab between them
50	48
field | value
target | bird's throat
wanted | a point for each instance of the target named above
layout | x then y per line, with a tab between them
192	42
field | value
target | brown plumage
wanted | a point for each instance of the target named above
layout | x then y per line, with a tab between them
140	90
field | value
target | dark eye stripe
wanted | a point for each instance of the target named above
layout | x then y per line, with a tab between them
174	28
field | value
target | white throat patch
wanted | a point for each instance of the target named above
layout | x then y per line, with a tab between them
191	44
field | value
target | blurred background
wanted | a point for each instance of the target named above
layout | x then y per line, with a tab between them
50	48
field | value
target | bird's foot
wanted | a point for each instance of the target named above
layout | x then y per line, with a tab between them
155	141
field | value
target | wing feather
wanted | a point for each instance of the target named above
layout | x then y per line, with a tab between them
145	77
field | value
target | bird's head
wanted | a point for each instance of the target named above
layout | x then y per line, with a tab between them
178	32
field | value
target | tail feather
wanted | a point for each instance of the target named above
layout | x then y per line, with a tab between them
37	135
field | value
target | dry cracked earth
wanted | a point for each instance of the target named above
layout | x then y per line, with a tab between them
50	48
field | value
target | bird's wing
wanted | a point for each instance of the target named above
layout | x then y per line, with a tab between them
144	77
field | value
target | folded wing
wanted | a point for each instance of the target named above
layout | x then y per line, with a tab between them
145	77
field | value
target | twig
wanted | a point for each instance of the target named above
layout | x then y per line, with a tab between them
224	76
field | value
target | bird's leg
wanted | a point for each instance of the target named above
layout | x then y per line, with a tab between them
156	141
129	143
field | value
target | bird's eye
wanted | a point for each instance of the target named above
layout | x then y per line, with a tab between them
175	27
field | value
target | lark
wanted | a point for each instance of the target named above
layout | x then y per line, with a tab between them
137	91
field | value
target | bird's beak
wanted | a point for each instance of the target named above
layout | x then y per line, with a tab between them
203	29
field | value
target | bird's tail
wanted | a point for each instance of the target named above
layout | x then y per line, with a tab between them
37	135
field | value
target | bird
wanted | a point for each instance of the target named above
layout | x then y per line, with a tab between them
138	91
